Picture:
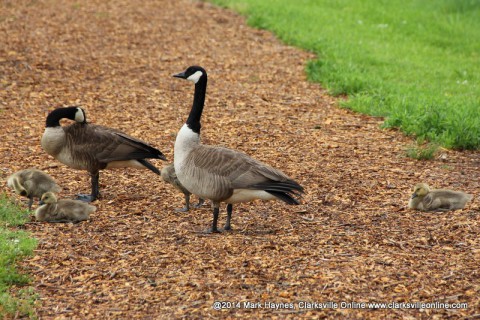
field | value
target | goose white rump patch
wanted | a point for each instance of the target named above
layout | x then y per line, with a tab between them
245	195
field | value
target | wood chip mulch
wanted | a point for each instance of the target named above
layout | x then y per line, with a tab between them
352	240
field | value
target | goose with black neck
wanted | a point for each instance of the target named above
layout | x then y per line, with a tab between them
221	174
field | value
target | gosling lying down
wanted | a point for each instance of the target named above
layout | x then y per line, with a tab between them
64	210
426	199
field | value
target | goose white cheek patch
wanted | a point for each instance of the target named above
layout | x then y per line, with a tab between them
79	116
195	77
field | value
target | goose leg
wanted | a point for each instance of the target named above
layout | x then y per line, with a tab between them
229	217
95	193
216	210
30	202
95	186
187	204
200	203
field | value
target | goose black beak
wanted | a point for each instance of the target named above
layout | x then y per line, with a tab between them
41	203
180	75
414	195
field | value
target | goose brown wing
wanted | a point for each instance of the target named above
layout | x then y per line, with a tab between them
106	145
223	170
239	169
142	149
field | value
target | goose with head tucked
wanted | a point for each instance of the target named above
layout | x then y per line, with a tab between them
32	183
90	147
426	199
63	210
221	174
168	175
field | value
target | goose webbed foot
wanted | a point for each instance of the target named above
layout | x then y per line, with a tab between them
86	197
184	209
227	226
199	204
214	228
187	204
95	177
211	230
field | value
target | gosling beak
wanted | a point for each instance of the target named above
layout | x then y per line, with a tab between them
180	75
41	202
414	195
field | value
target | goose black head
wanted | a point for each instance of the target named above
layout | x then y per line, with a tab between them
193	73
76	114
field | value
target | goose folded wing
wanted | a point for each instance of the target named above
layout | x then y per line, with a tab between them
224	163
242	171
116	146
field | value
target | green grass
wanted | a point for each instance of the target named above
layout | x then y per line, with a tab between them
422	152
414	62
14	245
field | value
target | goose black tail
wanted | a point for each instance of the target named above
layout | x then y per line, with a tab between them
284	196
287	191
144	150
149	166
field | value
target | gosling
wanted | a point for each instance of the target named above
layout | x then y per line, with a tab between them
168	175
425	199
64	210
32	183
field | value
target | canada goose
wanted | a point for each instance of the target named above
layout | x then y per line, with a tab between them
32	183
64	210
426	199
168	175
91	147
221	174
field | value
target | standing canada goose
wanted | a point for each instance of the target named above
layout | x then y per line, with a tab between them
169	175
64	210
91	147
221	174
32	183
426	199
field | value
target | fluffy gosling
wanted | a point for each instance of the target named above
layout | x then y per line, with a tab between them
64	210
32	183
426	199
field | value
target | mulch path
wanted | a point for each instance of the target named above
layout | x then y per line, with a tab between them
352	239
